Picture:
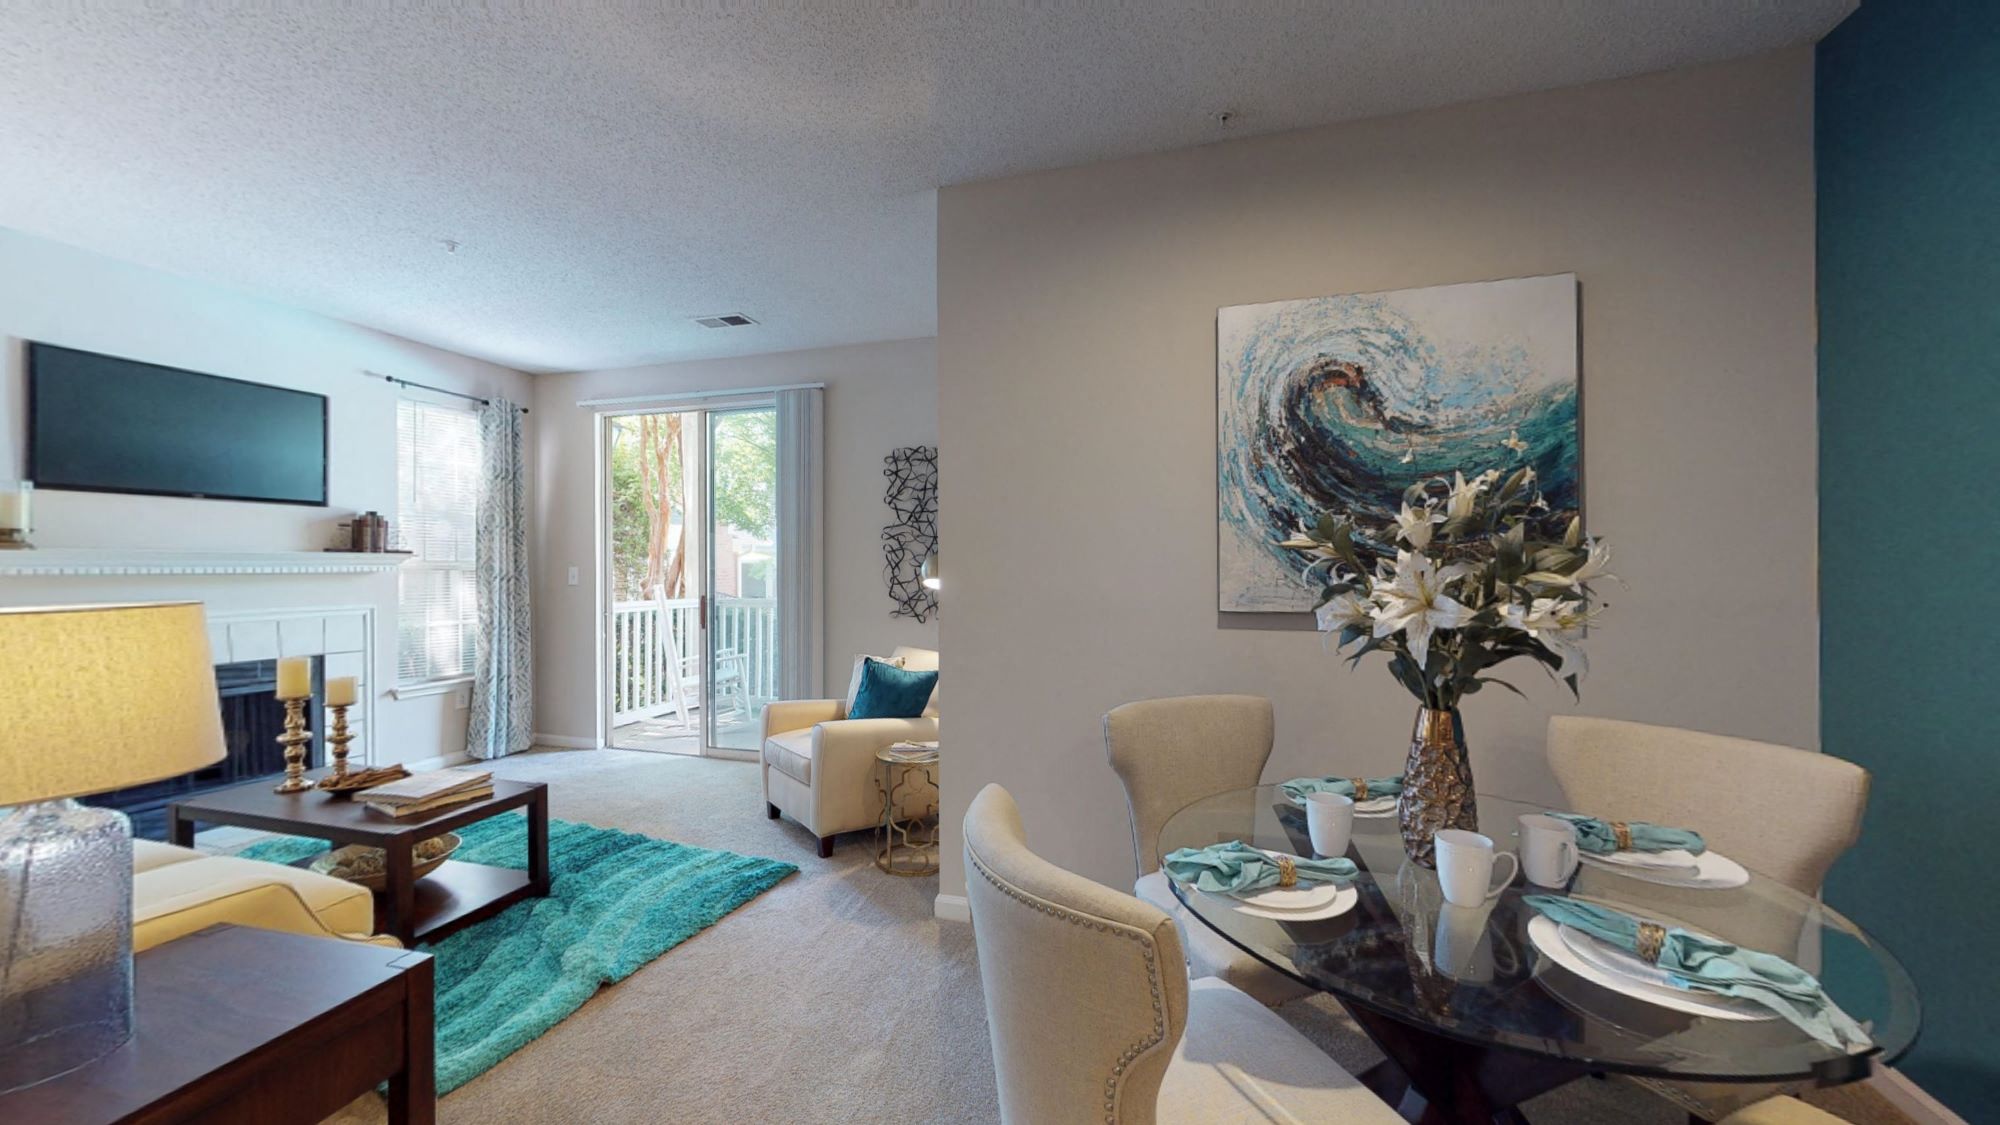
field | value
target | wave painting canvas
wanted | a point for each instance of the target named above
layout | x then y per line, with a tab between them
1337	404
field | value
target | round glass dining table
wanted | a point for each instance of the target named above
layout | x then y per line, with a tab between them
1474	1018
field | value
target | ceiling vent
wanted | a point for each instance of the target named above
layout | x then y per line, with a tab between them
726	320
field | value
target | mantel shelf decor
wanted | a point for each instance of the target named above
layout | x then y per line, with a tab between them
60	562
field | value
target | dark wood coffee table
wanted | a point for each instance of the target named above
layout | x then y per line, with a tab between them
233	1025
450	898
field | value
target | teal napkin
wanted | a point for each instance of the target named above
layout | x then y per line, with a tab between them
1597	836
1701	964
1298	787
1236	868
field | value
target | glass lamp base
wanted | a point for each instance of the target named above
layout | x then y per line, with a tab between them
65	939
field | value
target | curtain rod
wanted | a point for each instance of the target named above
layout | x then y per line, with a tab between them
727	392
480	399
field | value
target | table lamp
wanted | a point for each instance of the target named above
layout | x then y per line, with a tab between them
92	698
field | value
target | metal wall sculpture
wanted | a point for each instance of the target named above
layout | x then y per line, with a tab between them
912	535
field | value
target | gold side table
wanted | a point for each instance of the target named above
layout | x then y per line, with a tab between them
907	845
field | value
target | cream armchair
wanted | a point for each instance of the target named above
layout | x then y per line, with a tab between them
819	765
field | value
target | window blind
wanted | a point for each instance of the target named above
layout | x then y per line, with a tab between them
437	497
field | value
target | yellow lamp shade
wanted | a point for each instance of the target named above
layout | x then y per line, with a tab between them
99	697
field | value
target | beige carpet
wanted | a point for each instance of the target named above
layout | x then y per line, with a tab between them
834	997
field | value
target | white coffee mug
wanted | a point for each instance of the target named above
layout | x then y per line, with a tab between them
1465	867
1548	849
1329	821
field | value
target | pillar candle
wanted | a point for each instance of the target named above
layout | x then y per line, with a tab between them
14	506
294	678
340	691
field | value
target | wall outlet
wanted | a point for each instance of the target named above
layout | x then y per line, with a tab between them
462	698
573	575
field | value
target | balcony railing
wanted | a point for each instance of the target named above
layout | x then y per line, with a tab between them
650	640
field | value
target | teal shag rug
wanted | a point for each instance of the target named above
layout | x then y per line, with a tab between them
617	900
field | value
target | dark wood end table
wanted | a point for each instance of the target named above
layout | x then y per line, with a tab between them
233	1025
450	898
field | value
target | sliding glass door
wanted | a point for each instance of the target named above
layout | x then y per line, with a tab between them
692	567
741	673
653	625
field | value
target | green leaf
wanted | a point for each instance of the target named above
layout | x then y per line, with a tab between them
1574	536
1342	544
1505	684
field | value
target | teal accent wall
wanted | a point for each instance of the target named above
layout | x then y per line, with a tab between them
1908	149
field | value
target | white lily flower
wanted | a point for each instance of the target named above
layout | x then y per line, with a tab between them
1414	527
1515	443
1557	623
1301	540
1414	603
1465	494
1344	610
1596	564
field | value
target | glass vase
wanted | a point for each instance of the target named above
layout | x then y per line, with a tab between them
1437	784
65	939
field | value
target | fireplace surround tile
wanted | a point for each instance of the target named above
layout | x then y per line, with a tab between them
301	636
255	639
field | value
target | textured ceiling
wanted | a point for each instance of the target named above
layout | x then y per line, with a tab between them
610	171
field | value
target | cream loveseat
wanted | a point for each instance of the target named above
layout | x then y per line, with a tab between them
176	891
819	765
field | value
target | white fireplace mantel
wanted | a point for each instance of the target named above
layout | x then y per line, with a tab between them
94	562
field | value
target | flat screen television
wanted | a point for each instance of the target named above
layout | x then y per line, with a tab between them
97	423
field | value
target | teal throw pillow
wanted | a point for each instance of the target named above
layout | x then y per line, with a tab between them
889	692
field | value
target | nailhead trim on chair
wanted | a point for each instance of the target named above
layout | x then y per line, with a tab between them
1065	914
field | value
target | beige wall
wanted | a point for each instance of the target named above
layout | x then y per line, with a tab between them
878	397
62	295
1076	371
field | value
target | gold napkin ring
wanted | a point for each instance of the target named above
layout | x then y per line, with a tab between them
1649	942
1288	872
1360	787
1623	832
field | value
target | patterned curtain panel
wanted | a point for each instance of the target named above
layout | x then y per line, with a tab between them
801	531
502	678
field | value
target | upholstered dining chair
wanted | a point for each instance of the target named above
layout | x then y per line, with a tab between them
1092	1019
1780	811
1784	813
1170	753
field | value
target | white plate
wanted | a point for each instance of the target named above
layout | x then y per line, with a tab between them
1611	959
1375	806
1712	871
1547	935
1673	859
1291	900
1343	901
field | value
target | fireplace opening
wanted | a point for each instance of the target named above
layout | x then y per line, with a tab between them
252	719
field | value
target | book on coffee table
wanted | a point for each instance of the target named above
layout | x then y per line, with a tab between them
426	791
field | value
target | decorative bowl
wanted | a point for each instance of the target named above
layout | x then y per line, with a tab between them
359	863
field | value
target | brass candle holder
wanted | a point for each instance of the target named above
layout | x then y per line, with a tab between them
295	740
337	739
